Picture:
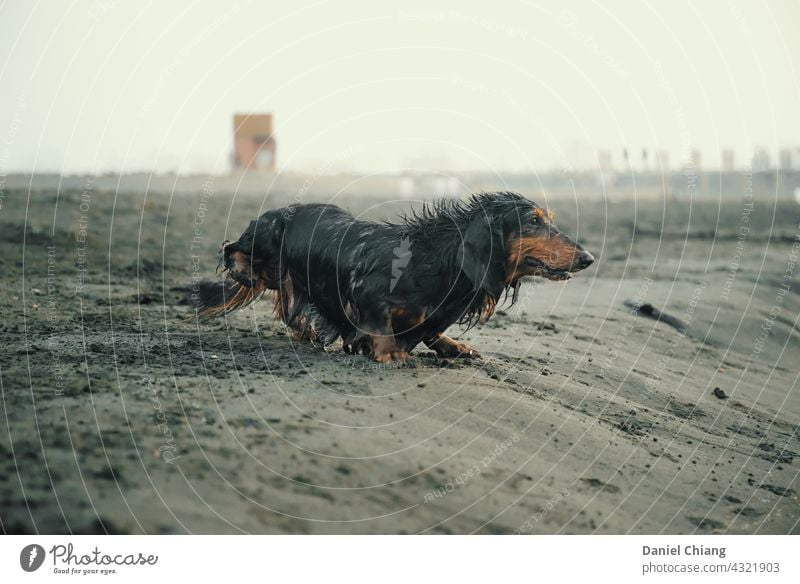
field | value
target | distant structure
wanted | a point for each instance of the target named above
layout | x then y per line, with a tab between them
785	159
789	159
605	160
253	142
728	160
761	161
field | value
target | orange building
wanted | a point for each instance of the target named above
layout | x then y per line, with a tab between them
253	142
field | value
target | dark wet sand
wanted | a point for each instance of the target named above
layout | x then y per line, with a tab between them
122	413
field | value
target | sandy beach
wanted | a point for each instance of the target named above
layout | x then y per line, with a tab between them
123	413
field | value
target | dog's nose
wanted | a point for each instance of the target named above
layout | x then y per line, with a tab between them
584	260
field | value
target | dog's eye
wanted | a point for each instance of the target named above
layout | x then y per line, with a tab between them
535	220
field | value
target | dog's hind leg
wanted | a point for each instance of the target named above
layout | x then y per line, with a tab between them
313	328
447	347
291	306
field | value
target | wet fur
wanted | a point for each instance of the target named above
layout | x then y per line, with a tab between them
385	287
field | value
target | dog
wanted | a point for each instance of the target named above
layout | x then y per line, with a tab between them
384	288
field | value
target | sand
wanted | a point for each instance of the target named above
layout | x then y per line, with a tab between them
122	413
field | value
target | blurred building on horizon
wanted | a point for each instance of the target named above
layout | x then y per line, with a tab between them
565	184
613	175
761	160
254	146
728	160
789	159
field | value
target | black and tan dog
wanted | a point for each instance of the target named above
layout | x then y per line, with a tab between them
384	288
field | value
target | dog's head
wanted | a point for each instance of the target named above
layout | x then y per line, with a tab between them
510	237
256	255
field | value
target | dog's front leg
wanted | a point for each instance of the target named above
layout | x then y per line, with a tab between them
384	348
447	347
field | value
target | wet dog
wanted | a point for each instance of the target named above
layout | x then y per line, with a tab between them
384	288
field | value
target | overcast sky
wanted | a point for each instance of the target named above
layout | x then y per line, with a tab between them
380	86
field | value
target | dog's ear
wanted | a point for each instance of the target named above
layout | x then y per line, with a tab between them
267	235
483	256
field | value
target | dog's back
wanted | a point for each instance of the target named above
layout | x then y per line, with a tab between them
337	262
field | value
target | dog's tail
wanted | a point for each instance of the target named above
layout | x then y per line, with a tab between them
218	298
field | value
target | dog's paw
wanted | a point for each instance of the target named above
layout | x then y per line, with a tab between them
451	349
456	350
390	356
465	352
468	353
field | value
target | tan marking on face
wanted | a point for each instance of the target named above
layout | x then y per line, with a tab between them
551	251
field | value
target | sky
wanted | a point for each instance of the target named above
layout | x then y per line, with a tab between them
375	87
